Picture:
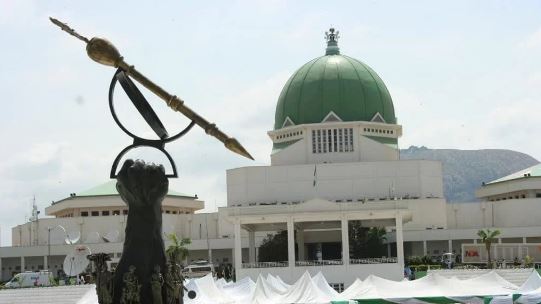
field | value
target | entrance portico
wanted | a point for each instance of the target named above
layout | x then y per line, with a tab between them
327	220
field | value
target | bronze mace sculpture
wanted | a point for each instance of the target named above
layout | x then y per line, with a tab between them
104	52
143	267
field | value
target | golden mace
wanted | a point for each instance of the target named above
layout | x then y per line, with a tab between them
104	52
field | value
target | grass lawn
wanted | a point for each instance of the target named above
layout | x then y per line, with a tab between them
420	274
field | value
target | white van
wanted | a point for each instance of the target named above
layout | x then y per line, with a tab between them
31	279
198	269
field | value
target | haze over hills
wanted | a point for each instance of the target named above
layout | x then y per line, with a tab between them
465	170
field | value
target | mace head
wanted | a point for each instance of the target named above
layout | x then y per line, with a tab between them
103	51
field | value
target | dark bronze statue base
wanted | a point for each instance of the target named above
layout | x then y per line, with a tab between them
143	275
142	187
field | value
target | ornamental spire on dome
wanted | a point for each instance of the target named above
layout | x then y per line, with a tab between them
332	42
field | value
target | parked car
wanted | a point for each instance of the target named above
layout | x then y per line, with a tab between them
30	279
198	269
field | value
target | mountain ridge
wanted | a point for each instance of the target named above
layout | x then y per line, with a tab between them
465	170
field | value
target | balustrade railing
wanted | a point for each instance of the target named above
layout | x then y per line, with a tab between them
373	261
265	264
319	263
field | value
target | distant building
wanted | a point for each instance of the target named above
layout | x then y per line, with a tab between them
335	160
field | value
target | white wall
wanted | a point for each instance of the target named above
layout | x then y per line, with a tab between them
371	150
337	181
364	148
519	184
503	214
293	154
193	226
426	213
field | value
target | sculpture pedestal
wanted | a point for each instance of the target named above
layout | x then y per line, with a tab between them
143	275
142	187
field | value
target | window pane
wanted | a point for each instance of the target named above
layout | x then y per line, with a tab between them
329	138
318	141
340	141
335	140
351	139
313	141
324	141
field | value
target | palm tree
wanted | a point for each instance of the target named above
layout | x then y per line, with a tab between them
177	250
487	237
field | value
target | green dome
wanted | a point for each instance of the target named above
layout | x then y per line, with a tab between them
337	83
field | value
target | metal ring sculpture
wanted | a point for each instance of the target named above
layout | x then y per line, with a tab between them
146	111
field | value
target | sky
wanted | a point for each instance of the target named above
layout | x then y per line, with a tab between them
462	75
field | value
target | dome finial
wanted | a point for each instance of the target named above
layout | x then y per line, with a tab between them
332	42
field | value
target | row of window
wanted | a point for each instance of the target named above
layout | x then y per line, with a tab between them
290	134
516	197
362	200
103	213
512	197
124	212
386	198
332	140
381	131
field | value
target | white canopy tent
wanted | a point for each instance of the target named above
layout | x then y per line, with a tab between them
487	288
434	288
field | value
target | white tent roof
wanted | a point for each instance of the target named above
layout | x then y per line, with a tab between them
434	288
307	289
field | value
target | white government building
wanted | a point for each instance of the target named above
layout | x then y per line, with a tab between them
335	159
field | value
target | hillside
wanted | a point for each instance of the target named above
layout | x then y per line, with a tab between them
465	170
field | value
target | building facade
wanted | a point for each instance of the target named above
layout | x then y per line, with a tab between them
335	161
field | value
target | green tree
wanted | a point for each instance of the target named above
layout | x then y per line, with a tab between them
376	238
357	239
488	237
177	250
366	242
274	248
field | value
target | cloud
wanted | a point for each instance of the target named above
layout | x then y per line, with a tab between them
533	41
503	124
16	13
48	171
513	125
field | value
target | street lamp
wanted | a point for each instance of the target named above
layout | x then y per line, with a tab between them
49	240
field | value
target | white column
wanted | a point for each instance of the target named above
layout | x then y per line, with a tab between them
45	263
499	240
300	244
251	245
475	241
238	248
345	242
399	240
425	248
524	241
22	264
290	243
450	246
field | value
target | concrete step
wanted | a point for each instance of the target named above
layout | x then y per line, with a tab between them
47	295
